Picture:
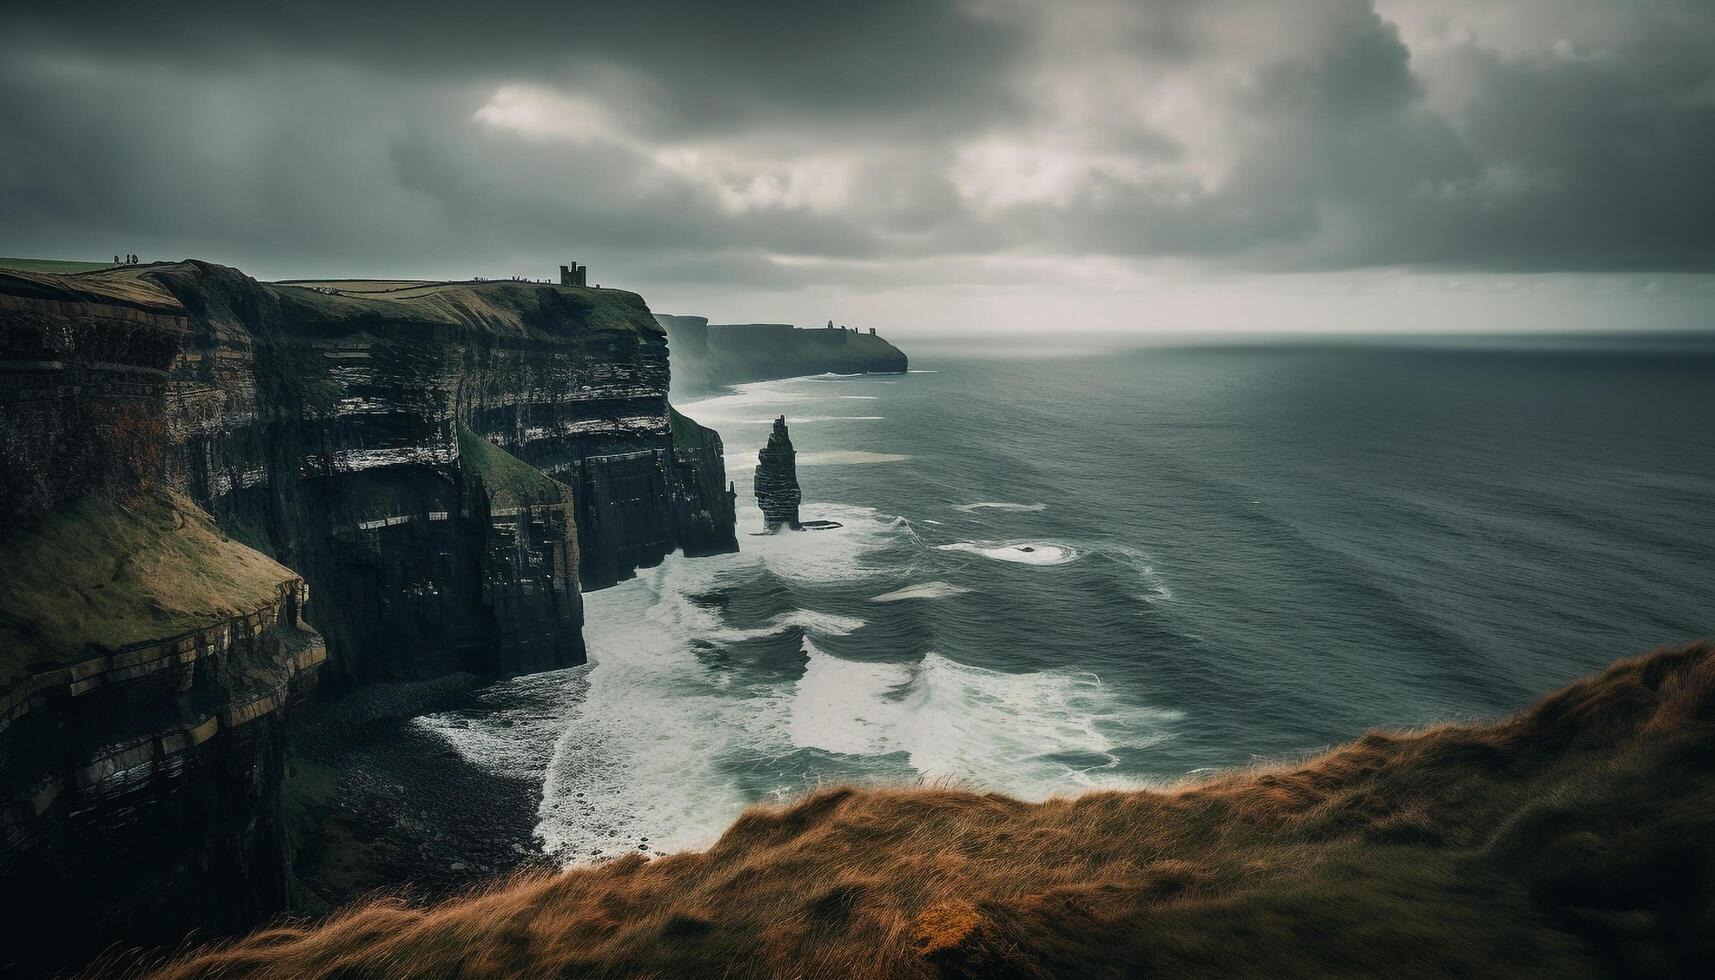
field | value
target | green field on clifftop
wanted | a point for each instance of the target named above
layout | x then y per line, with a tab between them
55	266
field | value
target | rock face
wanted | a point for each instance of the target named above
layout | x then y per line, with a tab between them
326	431
708	357
148	662
444	468
777	490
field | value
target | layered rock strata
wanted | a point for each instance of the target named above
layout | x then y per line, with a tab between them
325	430
445	467
776	486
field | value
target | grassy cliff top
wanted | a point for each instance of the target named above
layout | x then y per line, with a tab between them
1576	838
504	308
98	575
107	285
508	307
511	482
56	266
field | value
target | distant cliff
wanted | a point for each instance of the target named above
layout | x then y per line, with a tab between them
709	356
189	456
1576	838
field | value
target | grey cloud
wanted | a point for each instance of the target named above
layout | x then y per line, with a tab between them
1240	134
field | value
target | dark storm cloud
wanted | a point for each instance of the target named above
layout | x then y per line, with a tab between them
698	64
793	143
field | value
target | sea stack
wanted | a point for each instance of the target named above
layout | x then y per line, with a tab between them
777	490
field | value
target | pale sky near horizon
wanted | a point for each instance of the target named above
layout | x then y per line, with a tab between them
913	165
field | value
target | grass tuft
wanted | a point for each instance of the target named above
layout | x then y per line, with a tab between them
1576	838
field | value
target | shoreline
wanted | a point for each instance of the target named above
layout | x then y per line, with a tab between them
375	803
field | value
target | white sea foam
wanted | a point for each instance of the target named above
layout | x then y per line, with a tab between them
669	743
1158	590
928	590
849	457
796	419
1031	734
518	739
921	371
859	398
741	404
1021	552
999	505
845	706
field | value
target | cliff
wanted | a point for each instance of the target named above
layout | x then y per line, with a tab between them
147	663
330	432
708	357
1576	838
189	454
776	481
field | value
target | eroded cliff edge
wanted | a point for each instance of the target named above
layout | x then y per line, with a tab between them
444	468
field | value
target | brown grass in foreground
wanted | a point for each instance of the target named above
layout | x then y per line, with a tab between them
1575	838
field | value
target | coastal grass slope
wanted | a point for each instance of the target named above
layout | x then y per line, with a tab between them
1575	838
100	574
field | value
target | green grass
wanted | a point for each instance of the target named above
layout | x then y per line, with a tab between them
56	266
98	575
511	482
503	307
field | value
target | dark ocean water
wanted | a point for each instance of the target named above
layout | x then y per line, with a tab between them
1236	553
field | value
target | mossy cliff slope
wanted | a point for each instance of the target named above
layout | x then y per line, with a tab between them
1576	838
710	356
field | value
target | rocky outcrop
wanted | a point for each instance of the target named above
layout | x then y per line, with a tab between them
189	454
707	357
777	492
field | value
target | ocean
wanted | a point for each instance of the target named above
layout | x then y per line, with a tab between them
1125	569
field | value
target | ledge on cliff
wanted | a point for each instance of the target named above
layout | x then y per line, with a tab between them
1575	838
98	575
510	481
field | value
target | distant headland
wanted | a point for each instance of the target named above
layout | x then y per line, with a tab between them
709	356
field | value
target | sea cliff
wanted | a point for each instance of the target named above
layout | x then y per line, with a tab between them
709	356
191	455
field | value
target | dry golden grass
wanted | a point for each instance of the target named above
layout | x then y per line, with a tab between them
1574	838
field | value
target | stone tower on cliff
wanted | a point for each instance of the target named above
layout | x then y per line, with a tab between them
776	485
574	275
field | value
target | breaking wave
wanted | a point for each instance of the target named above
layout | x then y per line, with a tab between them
999	505
849	457
1033	734
1021	552
928	590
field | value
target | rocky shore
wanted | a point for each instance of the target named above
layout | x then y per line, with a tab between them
375	802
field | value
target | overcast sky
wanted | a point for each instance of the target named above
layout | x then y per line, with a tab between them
1170	164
